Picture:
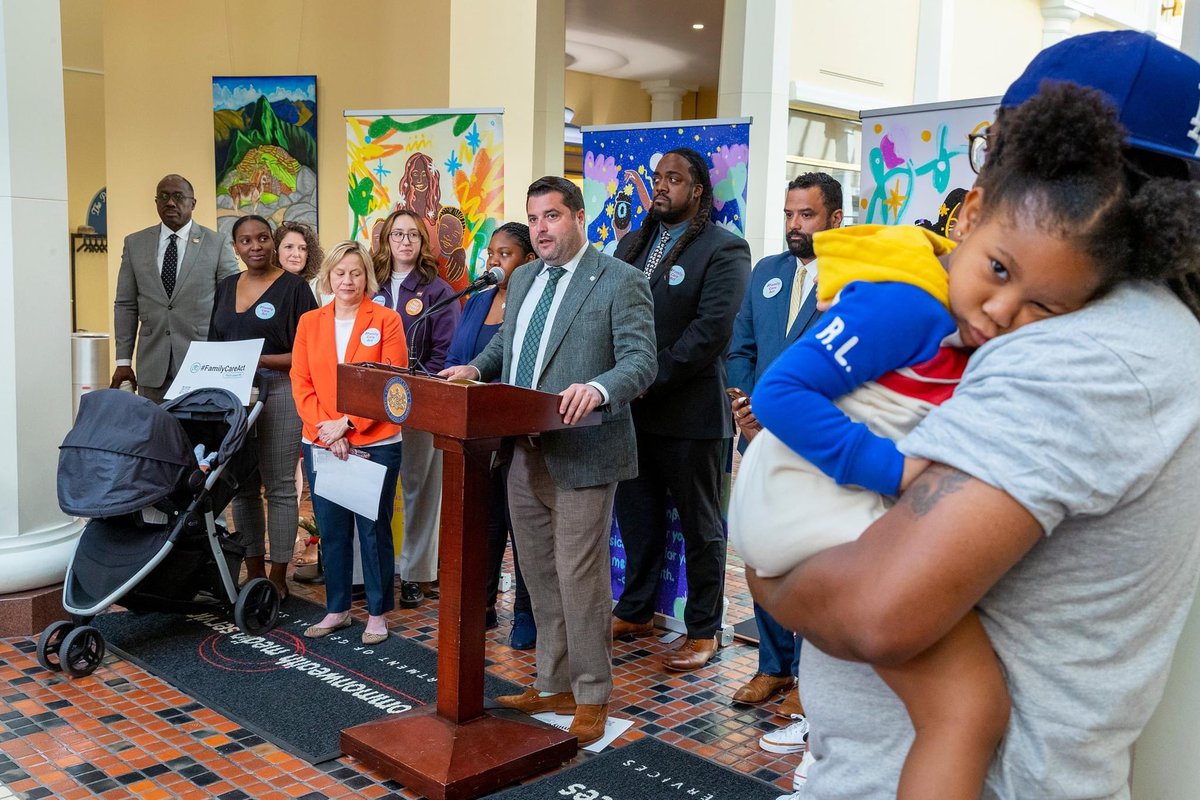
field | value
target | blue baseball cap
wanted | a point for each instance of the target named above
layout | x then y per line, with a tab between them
1156	88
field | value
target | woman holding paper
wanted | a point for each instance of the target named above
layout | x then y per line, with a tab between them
349	329
265	302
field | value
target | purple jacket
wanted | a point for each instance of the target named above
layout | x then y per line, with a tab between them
433	336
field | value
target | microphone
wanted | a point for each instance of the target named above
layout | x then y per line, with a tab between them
490	278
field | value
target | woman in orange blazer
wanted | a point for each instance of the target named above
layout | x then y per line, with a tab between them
347	330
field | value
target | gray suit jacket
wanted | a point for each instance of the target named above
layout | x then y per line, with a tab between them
603	332
167	325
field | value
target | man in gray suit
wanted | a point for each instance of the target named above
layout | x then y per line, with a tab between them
169	274
579	324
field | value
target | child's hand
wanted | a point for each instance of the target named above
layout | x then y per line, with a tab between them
913	467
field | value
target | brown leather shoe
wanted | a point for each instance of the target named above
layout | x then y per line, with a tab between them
531	702
588	725
790	708
627	630
762	688
692	654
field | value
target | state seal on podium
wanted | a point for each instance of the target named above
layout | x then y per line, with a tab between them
397	399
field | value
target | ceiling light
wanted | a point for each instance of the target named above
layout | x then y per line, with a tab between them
698	26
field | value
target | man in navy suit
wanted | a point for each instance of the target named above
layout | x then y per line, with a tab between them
778	307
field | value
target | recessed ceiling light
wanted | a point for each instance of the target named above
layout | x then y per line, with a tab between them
698	26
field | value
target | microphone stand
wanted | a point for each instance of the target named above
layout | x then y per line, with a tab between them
441	305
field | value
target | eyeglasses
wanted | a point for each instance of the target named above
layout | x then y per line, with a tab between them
178	197
412	236
977	147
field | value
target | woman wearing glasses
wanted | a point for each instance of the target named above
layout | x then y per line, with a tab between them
409	284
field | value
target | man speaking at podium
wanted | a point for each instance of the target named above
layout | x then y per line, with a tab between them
581	325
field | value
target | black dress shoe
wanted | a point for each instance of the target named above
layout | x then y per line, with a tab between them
410	595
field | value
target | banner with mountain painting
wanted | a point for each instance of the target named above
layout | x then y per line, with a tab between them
619	161
266	146
445	164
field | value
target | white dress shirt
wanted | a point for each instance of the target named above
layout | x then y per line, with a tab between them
525	313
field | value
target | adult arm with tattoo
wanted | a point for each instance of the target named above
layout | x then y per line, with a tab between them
910	577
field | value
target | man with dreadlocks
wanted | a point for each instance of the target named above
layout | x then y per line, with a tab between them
697	272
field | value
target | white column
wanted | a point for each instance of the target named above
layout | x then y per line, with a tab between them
666	99
1190	43
755	60
935	43
527	80
1057	18
36	539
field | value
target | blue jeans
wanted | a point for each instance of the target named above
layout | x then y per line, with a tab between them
778	648
336	526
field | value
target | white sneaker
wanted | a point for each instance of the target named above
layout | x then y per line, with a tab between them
800	776
789	739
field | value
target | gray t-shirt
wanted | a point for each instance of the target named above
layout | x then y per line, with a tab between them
1091	421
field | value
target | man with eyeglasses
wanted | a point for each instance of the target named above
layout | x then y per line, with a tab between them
697	273
169	274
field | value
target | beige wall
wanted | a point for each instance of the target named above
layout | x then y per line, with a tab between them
871	50
159	62
598	100
83	99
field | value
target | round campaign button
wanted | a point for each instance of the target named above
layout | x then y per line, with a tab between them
264	311
413	307
676	275
379	300
370	337
772	287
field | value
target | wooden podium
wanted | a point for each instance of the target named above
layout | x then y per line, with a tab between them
458	750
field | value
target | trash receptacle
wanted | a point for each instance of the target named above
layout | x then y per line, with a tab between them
89	365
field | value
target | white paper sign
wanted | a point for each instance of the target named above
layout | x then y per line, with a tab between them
218	365
612	728
354	484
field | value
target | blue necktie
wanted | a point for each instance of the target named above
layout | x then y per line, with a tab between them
533	334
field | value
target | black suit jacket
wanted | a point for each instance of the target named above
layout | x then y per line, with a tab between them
695	301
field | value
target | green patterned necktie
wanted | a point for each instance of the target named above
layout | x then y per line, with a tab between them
533	333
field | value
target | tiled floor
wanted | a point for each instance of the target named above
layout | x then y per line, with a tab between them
123	733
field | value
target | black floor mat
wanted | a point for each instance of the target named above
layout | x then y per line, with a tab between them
298	693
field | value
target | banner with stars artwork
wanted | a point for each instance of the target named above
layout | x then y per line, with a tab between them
447	165
619	161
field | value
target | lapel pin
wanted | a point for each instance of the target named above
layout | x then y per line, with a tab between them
195	240
592	278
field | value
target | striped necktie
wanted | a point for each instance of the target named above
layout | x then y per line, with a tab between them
533	334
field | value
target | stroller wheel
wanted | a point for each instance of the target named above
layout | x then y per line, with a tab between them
82	651
257	607
50	643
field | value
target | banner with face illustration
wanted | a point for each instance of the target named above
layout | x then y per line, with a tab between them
618	170
446	165
619	162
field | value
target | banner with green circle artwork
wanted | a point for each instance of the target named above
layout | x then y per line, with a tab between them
447	165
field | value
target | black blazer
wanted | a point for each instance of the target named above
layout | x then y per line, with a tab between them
695	302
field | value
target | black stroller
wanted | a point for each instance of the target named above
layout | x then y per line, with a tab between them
151	479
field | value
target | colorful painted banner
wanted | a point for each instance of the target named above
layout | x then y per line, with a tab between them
619	160
447	165
915	156
265	131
